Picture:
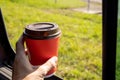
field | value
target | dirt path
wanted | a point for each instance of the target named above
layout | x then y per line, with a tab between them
94	7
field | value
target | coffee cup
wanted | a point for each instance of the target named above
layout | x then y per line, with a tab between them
42	42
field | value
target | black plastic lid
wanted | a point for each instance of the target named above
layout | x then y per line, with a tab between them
42	30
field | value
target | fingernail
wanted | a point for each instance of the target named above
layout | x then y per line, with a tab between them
55	58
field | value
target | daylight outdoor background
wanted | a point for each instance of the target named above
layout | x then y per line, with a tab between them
80	50
118	46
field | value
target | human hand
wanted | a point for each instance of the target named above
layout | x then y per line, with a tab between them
23	70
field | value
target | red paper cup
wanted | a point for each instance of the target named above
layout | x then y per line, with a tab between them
42	41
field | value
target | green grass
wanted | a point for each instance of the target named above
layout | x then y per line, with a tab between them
118	53
81	41
63	4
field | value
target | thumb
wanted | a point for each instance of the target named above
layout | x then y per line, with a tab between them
51	63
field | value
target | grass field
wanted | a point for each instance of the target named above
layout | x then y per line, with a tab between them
118	46
81	41
118	53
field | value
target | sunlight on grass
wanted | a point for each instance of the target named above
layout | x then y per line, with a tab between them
51	3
